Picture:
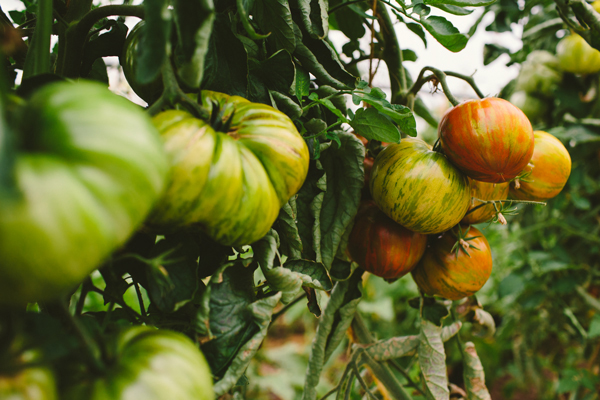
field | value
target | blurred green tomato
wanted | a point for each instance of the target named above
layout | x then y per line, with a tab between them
540	73
575	55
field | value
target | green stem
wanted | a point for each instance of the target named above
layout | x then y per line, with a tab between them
140	298
121	303
344	4
441	78
76	35
486	202
85	288
172	95
38	57
8	149
286	308
469	79
246	23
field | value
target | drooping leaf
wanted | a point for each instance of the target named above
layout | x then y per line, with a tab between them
275	17
278	72
432	360
286	104
344	172
302	83
107	44
453	9
461	3
349	21
287	228
342	269
153	43
259	313
474	375
194	21
400	114
371	124
445	33
309	203
418	30
332	327
314	17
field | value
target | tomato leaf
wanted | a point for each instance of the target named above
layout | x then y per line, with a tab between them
401	115
342	269
302	83
278	72
345	178
418	30
473	374
432	360
460	3
349	20
226	63
275	17
286	104
153	44
285	225
309	203
314	17
452	9
445	33
373	125
334	322
194	22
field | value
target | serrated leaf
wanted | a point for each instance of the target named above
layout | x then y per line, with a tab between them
194	21
373	125
226	63
474	375
334	322
461	3
445	33
275	17
175	282
432	359
259	313
314	17
343	168
153	42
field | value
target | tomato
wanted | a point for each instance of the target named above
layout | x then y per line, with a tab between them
548	171
381	246
490	140
575	55
90	169
419	188
28	383
149	92
534	107
540	74
231	182
484	191
148	364
443	272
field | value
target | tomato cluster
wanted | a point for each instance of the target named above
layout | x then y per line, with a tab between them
487	152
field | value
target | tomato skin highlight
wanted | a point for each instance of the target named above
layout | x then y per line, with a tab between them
149	364
419	188
442	272
91	167
484	191
550	168
383	247
229	184
490	140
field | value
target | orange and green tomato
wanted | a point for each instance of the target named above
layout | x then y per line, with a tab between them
490	140
547	172
419	188
381	246
484	191
442	272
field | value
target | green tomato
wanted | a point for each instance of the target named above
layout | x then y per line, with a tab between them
540	73
149	92
28	383
90	168
229	181
149	364
534	108
575	55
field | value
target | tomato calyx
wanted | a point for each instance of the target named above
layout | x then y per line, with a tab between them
462	241
217	117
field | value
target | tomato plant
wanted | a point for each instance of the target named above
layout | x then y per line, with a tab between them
148	363
20	381
381	246
251	149
484	191
90	168
490	140
454	271
418	187
547	172
535	108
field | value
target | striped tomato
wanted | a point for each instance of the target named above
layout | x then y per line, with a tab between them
450	274
489	139
547	172
484	191
419	188
381	246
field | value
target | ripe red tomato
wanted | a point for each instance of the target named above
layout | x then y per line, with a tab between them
484	191
549	169
381	246
419	188
452	275
489	139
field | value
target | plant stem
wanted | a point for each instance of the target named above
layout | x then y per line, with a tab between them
469	79
438	75
37	60
486	202
287	307
120	302
85	288
140	298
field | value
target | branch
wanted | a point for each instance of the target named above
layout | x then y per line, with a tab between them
440	76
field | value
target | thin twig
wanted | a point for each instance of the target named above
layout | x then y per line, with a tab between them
287	307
